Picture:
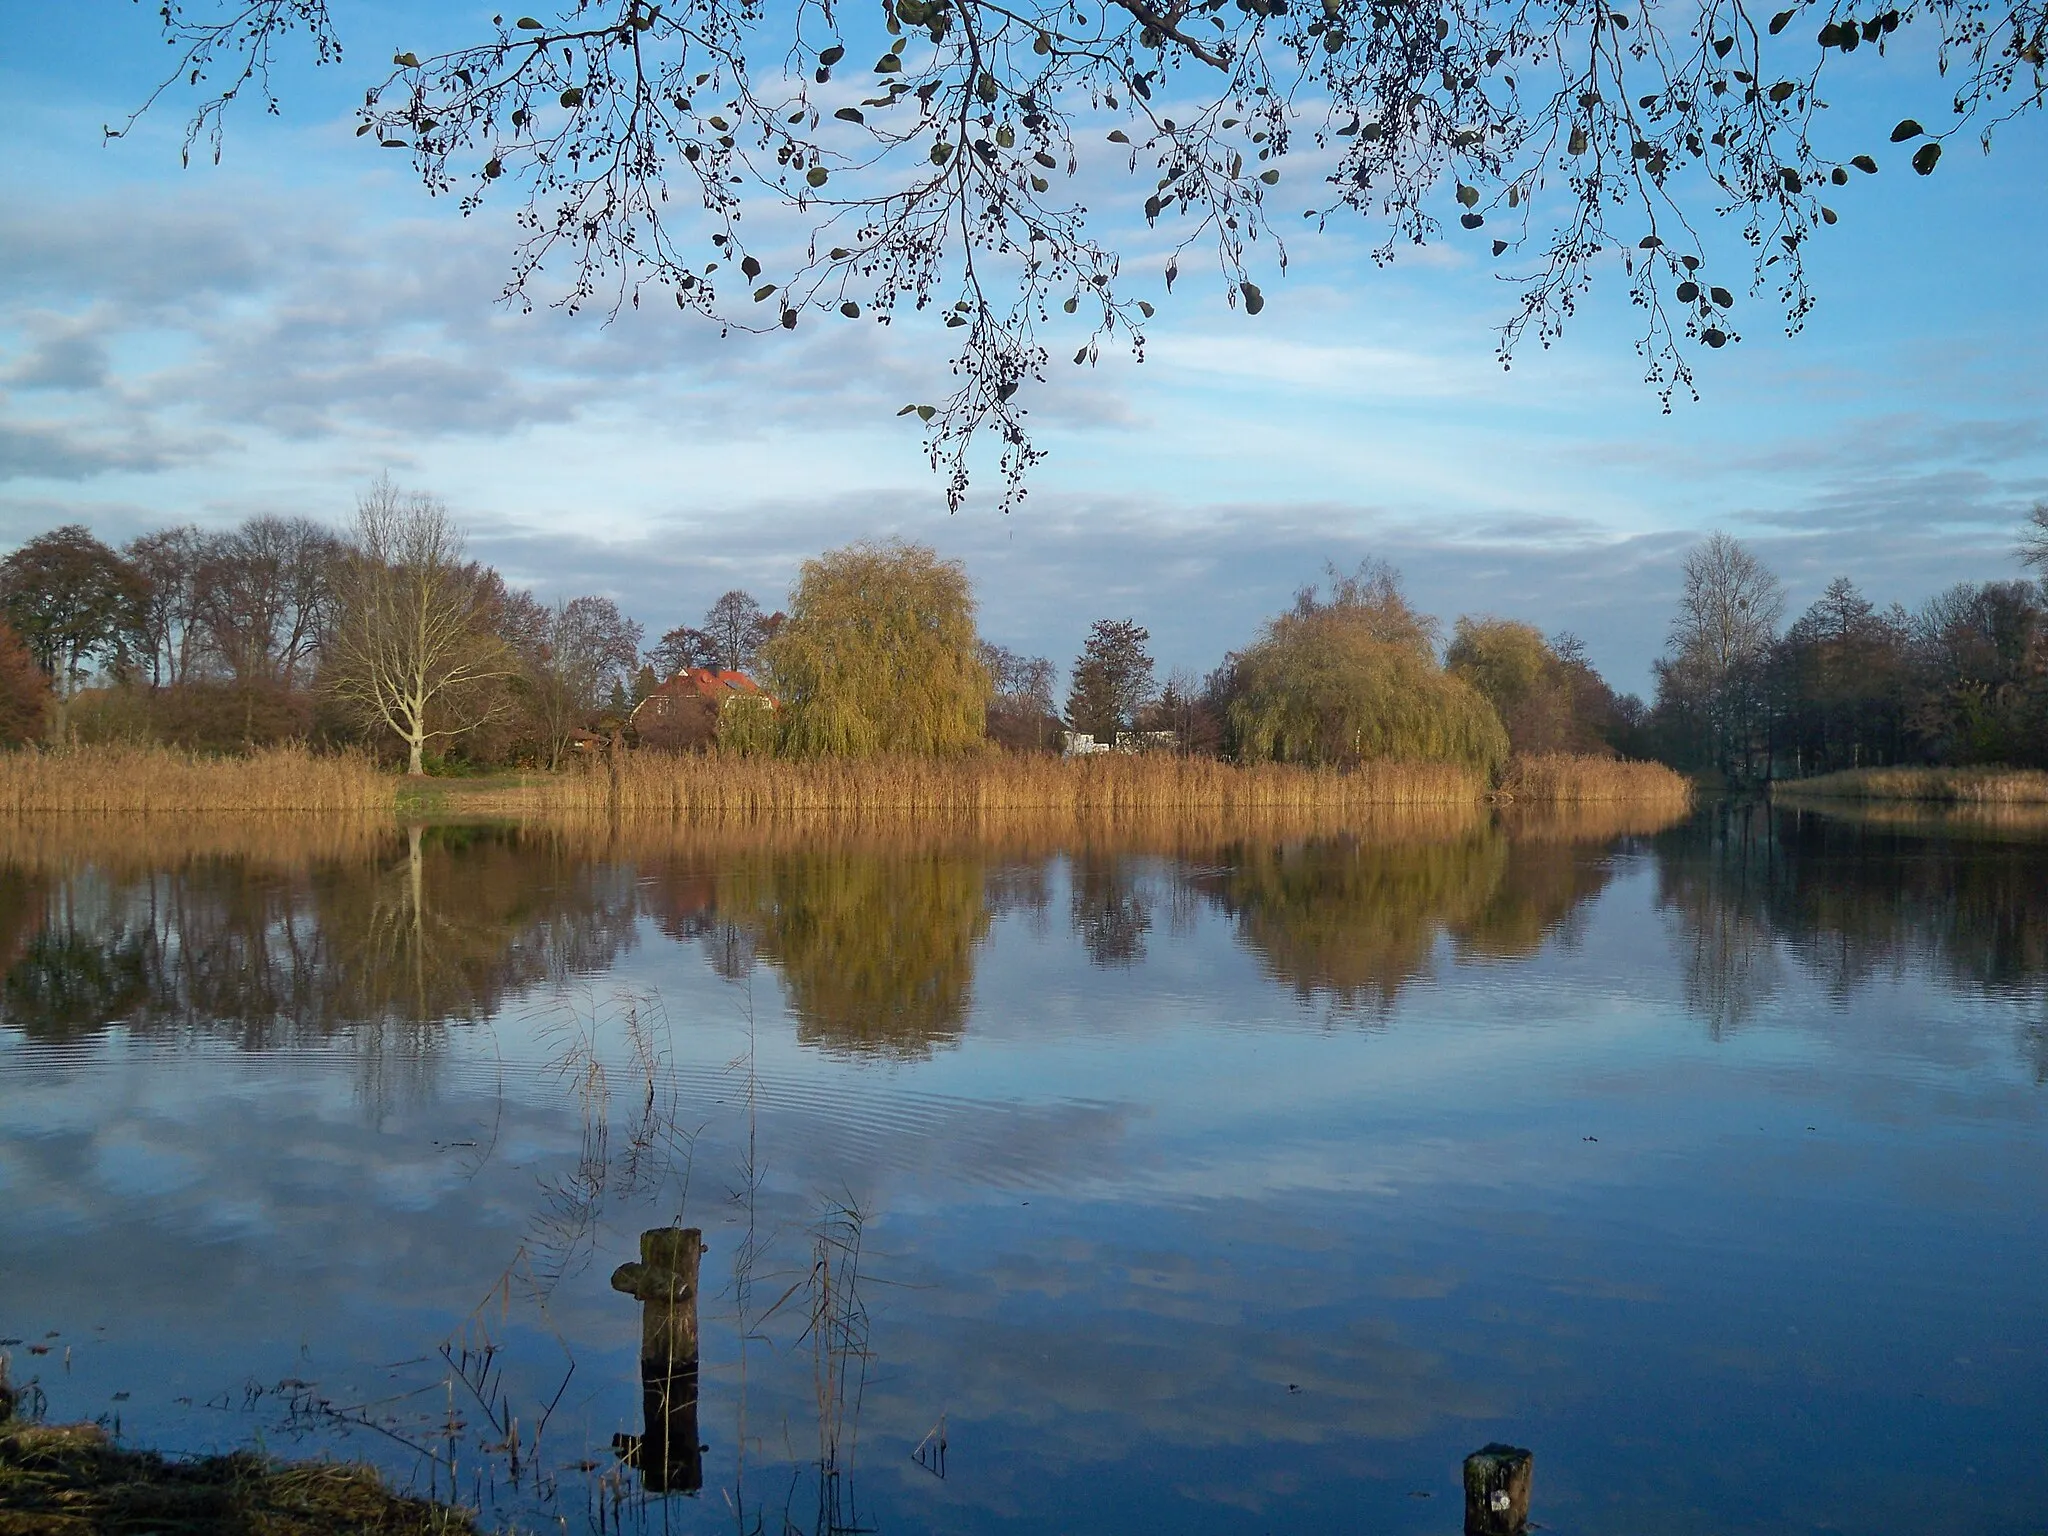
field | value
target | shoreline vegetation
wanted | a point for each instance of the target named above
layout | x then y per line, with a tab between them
292	780
1930	786
73	1480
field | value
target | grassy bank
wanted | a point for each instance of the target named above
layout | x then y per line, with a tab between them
1937	786
164	781
71	1480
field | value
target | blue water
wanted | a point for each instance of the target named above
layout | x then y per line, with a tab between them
1228	1188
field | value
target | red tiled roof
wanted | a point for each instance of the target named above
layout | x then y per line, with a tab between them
706	682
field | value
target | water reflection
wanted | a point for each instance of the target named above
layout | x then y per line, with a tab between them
1218	1275
664	1281
378	934
1851	901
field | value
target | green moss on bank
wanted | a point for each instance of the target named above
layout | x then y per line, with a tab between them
71	1480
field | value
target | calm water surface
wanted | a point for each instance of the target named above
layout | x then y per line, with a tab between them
1187	1184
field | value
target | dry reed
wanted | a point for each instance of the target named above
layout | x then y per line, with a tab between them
705	787
148	780
1945	786
1564	778
162	780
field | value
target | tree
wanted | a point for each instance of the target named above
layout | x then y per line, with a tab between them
1710	682
262	596
76	604
24	692
737	628
2034	540
1980	690
416	649
1112	679
1511	665
168	563
683	649
1580	133
572	659
1838	684
879	654
1021	713
1352	677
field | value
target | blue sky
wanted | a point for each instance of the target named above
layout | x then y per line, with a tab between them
269	334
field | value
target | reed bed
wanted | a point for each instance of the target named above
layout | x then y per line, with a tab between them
154	780
1941	786
1563	778
695	788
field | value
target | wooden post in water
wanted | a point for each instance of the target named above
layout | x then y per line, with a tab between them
665	1281
1497	1490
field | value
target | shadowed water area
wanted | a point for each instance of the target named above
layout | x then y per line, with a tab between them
1168	1180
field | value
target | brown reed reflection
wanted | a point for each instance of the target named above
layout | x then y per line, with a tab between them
276	932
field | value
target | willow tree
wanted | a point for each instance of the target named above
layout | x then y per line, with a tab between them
1564	142
415	650
1341	679
880	654
1547	699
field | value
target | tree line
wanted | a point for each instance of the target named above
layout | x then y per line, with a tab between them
388	635
1961	680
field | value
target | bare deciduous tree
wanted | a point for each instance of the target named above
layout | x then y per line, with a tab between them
1567	139
1720	641
262	595
571	657
416	648
168	562
2033	549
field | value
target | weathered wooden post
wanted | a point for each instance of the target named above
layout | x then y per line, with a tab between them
665	1281
1497	1490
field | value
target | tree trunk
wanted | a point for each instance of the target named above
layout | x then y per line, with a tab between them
414	766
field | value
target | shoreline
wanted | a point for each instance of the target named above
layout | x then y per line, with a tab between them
659	786
74	1480
1922	786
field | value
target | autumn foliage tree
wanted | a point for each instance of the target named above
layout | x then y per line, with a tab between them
24	692
879	654
1351	676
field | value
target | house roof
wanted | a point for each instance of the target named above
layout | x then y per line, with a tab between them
714	684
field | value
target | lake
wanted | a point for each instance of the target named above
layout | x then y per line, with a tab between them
1179	1181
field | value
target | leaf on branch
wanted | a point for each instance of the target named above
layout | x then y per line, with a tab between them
1270	178
1118	136
1908	129
1924	159
1865	164
1781	21
527	24
1254	301
831	55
